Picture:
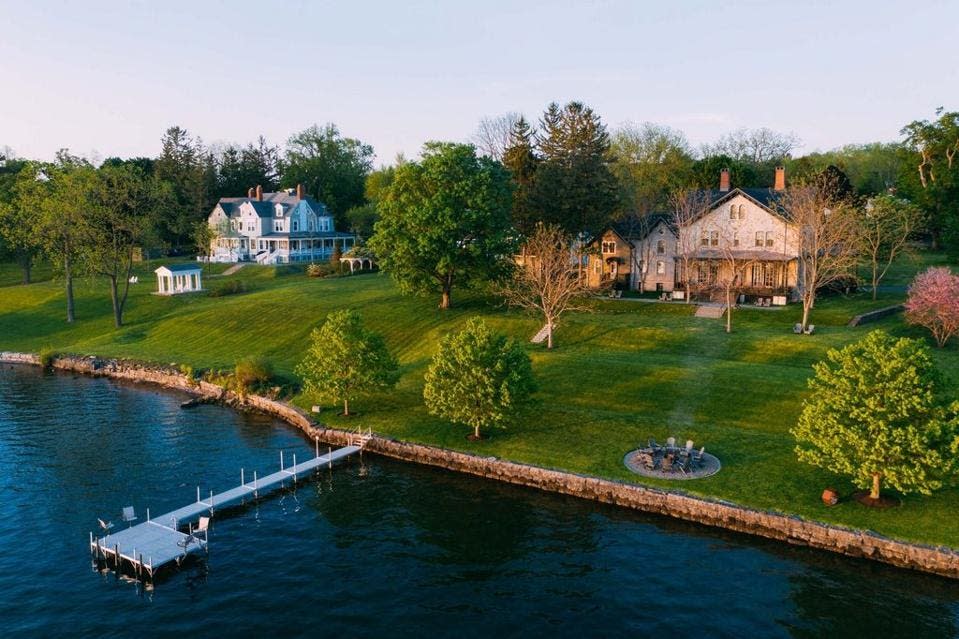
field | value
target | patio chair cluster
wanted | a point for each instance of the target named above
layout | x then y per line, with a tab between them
797	329
615	294
670	458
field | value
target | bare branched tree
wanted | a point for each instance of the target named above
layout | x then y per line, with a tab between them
548	281
754	145
885	227
687	206
828	240
492	136
733	266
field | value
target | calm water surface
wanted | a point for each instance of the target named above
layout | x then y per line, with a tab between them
381	548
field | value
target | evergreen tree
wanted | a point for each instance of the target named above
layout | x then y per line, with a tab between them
575	187
521	160
191	173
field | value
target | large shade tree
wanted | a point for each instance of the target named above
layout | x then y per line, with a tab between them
478	378
122	221
445	221
330	167
878	413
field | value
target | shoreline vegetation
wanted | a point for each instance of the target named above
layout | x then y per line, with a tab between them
938	560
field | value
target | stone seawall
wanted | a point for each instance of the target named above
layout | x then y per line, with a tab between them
854	543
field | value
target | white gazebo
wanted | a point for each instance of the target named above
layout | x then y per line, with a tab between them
178	278
358	263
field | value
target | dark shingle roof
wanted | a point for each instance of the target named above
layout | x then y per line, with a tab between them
769	199
636	227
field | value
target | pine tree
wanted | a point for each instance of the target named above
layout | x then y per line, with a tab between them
575	187
521	160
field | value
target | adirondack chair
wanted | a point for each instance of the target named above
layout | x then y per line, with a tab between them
105	525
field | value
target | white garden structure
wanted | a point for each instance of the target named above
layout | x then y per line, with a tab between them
178	278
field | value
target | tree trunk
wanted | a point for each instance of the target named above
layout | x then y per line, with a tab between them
26	263
549	335
476	433
875	283
68	273
115	299
805	313
346	407
729	311
445	300
874	493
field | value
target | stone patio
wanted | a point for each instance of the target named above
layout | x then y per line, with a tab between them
710	466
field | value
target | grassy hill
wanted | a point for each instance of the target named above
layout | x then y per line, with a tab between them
625	372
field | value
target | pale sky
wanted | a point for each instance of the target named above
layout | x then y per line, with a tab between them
107	78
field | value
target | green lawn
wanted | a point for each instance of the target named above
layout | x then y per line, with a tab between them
622	373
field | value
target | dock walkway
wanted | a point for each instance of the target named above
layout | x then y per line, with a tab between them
148	546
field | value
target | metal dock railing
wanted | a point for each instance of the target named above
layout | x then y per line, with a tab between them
146	547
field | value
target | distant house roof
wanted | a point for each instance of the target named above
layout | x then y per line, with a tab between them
769	199
179	268
637	227
265	207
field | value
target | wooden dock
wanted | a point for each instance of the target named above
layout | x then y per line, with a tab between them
169	538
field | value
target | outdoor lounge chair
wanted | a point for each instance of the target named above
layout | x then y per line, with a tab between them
129	515
697	456
689	446
797	328
810	330
105	525
203	526
670	442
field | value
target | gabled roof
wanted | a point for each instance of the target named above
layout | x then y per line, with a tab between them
637	227
266	206
179	268
769	199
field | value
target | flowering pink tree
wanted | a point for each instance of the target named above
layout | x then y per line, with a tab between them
934	303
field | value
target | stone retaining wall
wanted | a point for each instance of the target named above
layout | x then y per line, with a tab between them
875	315
855	543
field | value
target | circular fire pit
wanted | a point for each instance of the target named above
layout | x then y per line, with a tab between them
636	461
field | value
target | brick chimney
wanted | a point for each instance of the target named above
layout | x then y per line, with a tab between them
259	193
249	192
299	191
780	184
724	180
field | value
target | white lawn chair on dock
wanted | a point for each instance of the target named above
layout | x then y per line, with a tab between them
129	515
202	526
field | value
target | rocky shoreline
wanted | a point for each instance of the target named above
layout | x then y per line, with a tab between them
942	561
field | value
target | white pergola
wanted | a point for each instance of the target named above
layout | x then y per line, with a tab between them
363	263
178	278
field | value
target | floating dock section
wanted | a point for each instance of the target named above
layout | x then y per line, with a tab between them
170	538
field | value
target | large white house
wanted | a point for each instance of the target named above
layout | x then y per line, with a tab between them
274	228
747	225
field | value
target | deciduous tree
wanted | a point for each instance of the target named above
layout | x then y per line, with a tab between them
828	242
345	360
885	226
934	303
478	378
548	280
877	414
444	221
330	167
123	217
493	135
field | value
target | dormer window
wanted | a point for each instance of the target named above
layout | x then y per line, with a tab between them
609	247
296	225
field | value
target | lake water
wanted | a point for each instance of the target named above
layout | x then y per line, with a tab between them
382	548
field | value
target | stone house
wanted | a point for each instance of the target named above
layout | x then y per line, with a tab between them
739	229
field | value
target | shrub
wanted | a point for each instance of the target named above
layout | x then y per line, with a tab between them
251	372
46	357
228	288
934	303
319	270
